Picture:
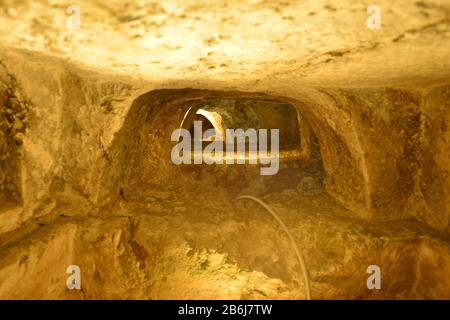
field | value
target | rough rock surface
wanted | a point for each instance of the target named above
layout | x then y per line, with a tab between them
85	170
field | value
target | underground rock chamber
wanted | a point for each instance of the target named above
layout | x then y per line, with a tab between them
100	119
208	189
299	165
149	228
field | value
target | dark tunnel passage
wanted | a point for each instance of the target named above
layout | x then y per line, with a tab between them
316	185
252	150
300	166
186	236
